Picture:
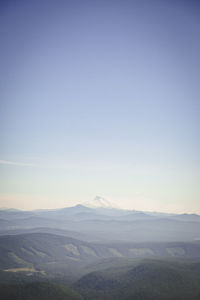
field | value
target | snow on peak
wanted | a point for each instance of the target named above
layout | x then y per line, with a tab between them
100	202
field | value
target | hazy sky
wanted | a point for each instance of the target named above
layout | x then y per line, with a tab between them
100	98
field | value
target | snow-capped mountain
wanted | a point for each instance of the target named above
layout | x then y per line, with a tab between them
100	202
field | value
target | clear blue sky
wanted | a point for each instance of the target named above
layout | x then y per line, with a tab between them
100	97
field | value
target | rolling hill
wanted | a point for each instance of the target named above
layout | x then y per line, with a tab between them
44	255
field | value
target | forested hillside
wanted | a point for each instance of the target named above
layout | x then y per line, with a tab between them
37	291
148	280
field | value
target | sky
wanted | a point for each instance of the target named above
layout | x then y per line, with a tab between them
100	98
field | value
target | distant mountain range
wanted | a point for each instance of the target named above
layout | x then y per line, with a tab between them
102	222
101	252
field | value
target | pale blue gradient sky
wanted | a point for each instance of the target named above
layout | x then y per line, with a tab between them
100	97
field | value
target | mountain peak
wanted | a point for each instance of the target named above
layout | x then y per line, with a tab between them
100	202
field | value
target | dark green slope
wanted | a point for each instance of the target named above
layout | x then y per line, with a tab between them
148	280
37	291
